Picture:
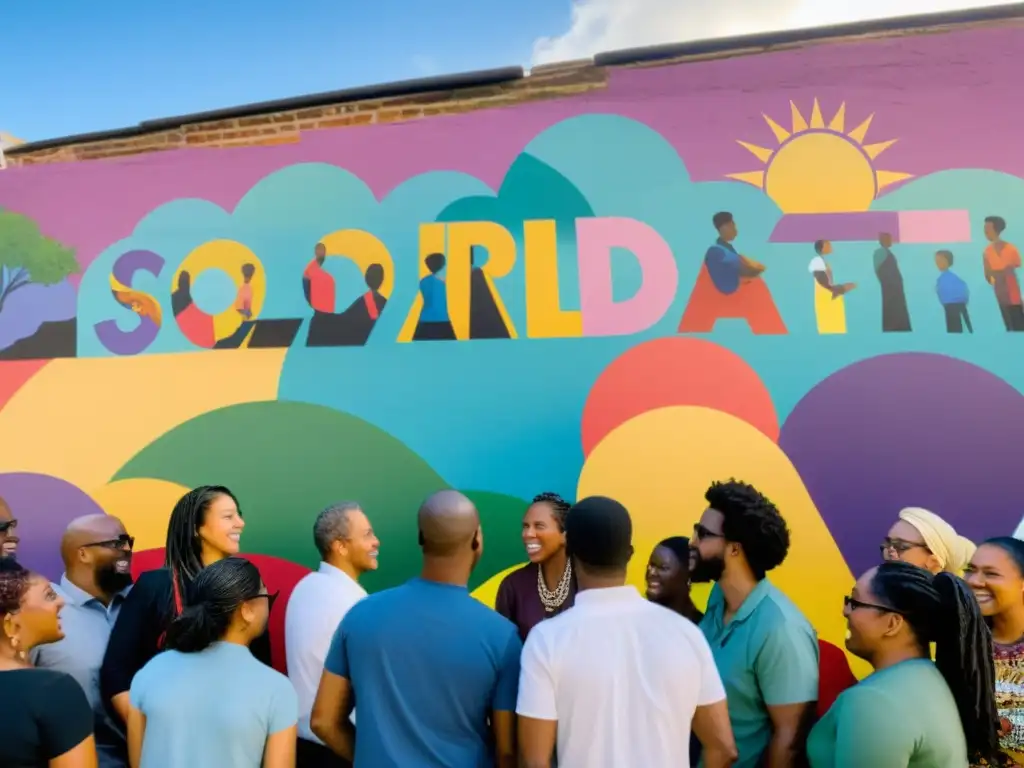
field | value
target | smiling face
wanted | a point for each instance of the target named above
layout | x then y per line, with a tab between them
666	576
904	542
108	554
868	622
37	619
221	528
361	547
8	531
996	580
707	548
542	535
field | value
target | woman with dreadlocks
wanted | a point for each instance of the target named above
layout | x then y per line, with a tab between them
996	574
206	701
546	586
205	527
911	712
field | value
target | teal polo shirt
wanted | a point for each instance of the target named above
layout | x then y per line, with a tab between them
767	655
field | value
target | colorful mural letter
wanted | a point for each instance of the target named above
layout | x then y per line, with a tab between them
545	318
352	326
476	308
143	305
602	315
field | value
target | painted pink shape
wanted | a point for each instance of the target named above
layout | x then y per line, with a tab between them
601	314
934	227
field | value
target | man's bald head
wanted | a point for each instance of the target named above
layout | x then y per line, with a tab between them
86	530
448	522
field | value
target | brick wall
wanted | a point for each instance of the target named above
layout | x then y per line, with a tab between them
287	127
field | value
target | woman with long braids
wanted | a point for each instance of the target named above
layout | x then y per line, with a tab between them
546	586
911	712
206	701
996	574
205	527
45	718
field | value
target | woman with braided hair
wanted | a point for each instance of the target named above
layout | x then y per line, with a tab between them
45	718
205	527
546	586
911	712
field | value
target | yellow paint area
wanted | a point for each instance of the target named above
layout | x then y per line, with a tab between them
362	249
487	592
144	506
82	419
660	464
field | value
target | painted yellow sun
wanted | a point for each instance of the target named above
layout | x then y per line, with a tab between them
819	168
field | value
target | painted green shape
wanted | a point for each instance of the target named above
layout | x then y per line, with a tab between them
286	461
501	518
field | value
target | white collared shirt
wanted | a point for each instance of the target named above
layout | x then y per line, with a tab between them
315	609
622	676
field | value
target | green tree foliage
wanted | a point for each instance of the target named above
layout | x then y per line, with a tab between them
28	256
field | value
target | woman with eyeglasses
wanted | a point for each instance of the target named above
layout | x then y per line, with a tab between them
911	711
45	717
206	701
205	527
924	539
996	574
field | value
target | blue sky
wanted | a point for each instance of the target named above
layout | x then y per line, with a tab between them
70	67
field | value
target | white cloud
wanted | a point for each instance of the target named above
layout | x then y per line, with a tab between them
608	25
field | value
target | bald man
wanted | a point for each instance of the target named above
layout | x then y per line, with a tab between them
434	670
8	539
97	554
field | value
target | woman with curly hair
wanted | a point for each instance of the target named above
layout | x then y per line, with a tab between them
47	720
546	586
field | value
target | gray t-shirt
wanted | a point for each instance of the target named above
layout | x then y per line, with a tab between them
215	707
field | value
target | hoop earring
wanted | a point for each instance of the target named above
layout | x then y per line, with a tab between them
14	644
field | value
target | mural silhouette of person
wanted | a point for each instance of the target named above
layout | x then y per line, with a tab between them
352	327
1002	260
485	320
181	298
895	316
243	306
434	323
726	267
953	294
318	283
195	325
829	305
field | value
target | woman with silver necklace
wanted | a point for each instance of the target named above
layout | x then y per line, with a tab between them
546	586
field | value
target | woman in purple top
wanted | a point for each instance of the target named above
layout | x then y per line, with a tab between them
547	586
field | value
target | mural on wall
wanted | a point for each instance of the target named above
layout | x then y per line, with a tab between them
635	322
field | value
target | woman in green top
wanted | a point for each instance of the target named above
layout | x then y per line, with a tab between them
912	713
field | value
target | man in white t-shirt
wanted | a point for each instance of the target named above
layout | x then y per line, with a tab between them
617	681
348	548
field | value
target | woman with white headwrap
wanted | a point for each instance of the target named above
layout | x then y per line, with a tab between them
924	539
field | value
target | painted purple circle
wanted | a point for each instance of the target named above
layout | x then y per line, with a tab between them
901	430
43	506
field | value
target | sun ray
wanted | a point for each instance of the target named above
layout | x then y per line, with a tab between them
799	123
886	178
754	178
781	134
762	154
817	121
858	133
874	150
838	122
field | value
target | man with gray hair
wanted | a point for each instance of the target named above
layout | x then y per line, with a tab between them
348	548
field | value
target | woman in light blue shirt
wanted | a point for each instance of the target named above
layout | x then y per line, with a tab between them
207	700
912	712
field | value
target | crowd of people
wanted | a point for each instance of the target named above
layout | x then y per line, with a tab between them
573	667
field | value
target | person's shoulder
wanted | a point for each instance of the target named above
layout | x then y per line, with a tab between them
525	576
487	619
47	682
152	581
778	612
817	264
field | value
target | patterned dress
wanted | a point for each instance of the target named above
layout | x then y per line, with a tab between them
1009	663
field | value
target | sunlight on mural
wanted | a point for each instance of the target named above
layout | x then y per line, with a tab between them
819	168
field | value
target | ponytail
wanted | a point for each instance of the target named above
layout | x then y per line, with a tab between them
196	628
941	609
963	654
214	598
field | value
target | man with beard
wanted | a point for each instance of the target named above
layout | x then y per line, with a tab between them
765	649
8	539
97	554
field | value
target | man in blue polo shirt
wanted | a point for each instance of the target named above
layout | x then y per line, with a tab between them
765	649
435	671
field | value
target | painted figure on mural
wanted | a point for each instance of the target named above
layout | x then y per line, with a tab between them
434	323
1002	260
243	306
953	294
318	283
485	319
195	325
352	327
895	315
727	268
829	304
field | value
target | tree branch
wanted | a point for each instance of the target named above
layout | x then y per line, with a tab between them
11	288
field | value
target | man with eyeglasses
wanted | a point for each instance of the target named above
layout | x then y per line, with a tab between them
8	539
97	554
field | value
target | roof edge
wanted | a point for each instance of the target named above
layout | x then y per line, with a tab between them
737	43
